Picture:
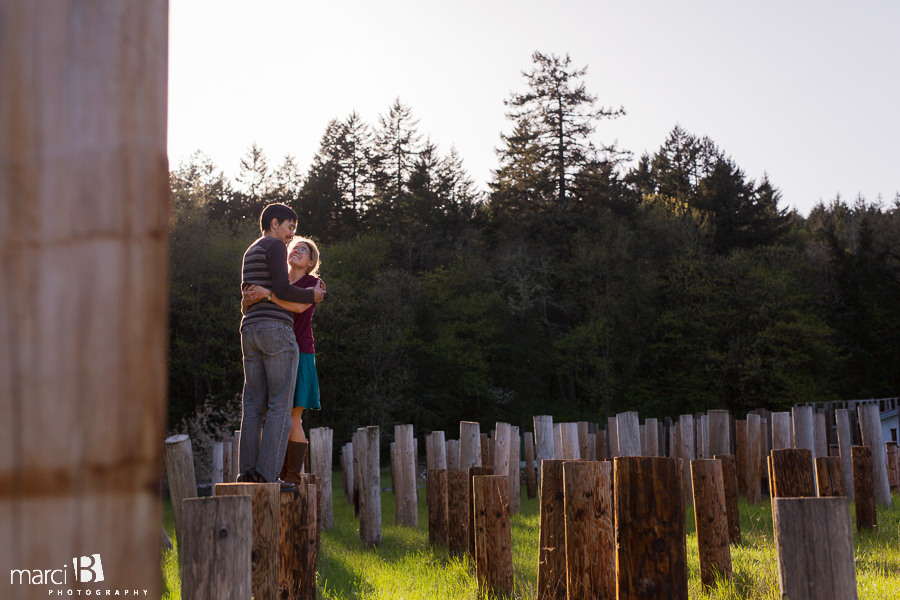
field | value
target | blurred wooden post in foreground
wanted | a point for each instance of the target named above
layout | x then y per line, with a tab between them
552	549
84	214
711	514
822	570
590	536
216	547
493	534
864	487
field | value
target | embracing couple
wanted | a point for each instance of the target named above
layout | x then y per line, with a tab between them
279	295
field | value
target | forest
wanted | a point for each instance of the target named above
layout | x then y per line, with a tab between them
583	282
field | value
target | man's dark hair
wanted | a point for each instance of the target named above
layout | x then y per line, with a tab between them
280	212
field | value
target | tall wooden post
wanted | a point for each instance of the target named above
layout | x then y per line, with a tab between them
651	547
530	476
217	474
601	445
628	430
487	451
266	511
216	548
372	485
870	427
686	452
820	434
439	445
543	441
452	455
583	439
753	453
781	430
711	513
864	487
469	445
804	430
729	484
407	510
740	442
569	441
493	535
180	474
651	433
845	440
84	213
719	432
515	474
321	441
551	554
612	436
823	570
589	531
501	445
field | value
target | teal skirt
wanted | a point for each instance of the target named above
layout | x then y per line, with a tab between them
307	392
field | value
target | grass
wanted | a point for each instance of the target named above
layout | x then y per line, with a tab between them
405	567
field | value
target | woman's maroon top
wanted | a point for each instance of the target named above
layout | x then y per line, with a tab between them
303	321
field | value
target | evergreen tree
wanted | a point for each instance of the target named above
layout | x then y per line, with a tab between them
397	144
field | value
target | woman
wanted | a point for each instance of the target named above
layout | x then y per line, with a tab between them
303	268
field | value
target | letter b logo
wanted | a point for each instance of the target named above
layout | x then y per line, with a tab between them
91	569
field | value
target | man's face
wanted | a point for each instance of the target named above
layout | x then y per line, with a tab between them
285	231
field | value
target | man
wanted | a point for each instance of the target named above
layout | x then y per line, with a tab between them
270	349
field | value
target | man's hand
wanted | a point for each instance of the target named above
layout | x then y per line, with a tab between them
319	291
254	294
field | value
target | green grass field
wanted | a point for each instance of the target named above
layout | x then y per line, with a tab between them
405	567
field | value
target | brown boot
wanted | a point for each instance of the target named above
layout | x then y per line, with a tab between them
294	460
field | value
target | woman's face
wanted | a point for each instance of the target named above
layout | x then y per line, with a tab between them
300	257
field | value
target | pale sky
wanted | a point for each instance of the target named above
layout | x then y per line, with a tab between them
805	91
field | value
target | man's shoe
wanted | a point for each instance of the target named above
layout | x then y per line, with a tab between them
294	459
285	485
249	476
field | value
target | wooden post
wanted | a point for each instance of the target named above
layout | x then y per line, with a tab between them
753	453
457	510
469	445
652	435
651	547
452	455
84	212
372	485
712	521
740	438
590	535
348	471
515	476
781	430
487	451
569	436
686	452
601	445
704	437
804	430
552	551
820	434
612	436
870	427
719	432
583	439
590	451
629	434
180	474
321	440
360	462
557	441
530	478
236	456
440	450
470	498
729	484
429	454
289	554
501	445
543	440
792	475
216	547
819	570
407	511
493	535
829	479
227	450
864	487
438	508
845	440
266	511
893	465
217	474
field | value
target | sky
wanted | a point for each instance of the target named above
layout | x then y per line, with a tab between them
807	92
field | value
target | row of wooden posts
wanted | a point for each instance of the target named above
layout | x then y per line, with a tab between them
249	539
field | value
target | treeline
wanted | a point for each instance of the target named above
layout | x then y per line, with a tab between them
583	283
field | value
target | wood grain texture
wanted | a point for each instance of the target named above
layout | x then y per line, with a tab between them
458	512
781	430
612	437
180	474
804	429
729	484
792	475
530	475
845	440
321	443
583	430
719	432
493	535
373	485
440	450
502	441
289	562
820	434
266	512
870	428
571	449
406	510
84	213
814	545
543	443
217	474
589	531
307	545
651	547
686	449
601	445
864	487
452	455
740	442
487	451
628	430
754	440
552	550
515	473
470	508
711	517
651	434
829	477
436	496
469	445
215	548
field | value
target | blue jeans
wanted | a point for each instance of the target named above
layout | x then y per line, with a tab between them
270	374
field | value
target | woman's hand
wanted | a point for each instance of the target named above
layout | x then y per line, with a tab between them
254	294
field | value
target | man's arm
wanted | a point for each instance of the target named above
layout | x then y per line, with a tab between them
276	258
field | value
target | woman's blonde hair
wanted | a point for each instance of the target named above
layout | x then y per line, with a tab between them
313	253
